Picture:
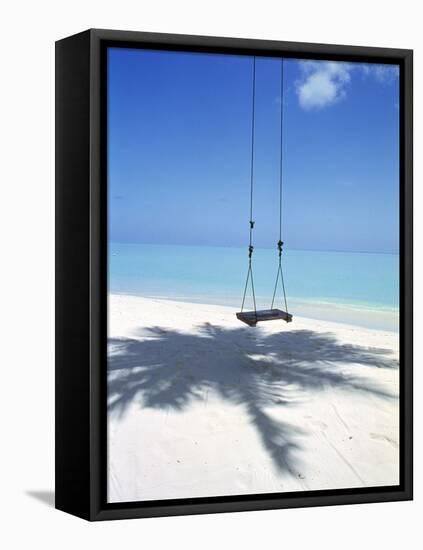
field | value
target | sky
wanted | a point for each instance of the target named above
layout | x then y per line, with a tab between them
179	151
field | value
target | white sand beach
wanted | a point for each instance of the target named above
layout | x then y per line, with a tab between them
202	405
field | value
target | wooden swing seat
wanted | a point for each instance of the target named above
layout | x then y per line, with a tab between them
251	318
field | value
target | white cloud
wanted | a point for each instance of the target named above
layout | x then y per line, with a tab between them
385	74
322	83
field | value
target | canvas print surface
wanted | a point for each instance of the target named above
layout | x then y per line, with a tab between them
253	275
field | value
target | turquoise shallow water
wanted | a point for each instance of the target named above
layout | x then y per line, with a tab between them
358	288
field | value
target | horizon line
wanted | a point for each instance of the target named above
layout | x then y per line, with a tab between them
258	247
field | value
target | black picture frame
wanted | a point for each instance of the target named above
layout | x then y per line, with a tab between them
81	274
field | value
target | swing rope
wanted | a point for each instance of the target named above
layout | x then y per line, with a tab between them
280	242
251	247
279	274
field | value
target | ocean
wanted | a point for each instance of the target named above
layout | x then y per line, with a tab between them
349	287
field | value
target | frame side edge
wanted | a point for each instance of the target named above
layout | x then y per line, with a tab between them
407	246
72	261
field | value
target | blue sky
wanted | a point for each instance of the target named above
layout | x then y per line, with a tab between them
179	129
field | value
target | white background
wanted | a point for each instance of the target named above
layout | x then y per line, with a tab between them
28	32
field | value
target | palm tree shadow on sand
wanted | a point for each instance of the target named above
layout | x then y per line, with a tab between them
161	368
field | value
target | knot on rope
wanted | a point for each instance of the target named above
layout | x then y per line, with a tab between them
250	250
252	224
280	245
